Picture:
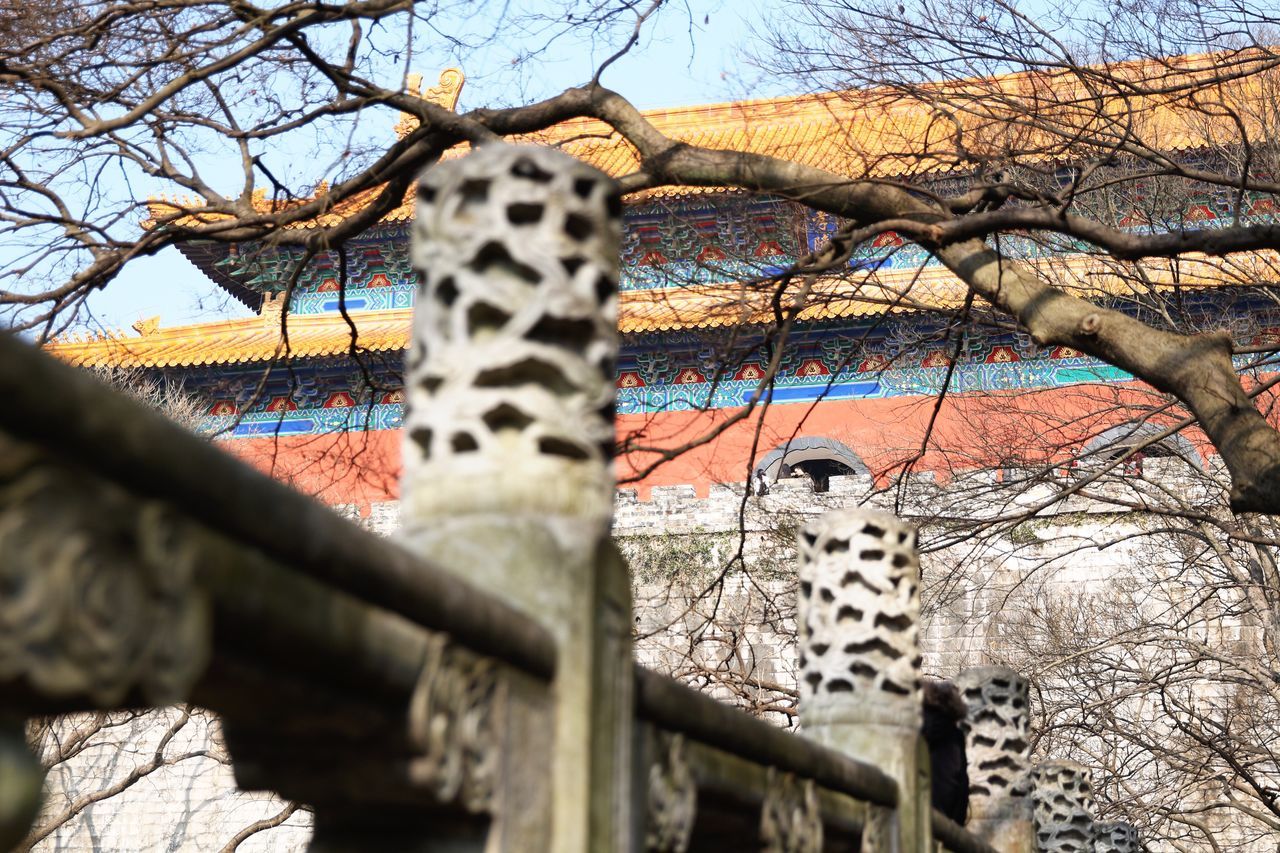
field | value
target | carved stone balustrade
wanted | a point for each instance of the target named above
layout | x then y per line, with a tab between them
472	689
115	599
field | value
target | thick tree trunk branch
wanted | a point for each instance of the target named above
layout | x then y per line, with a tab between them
158	759
259	826
1197	369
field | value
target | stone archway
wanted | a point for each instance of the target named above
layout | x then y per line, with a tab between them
817	458
1118	439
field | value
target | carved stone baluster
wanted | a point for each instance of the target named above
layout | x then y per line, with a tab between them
1116	837
997	748
1062	802
672	798
859	644
508	444
100	602
790	821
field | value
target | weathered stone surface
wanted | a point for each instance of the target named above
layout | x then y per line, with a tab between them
789	818
100	601
997	747
510	379
858	638
672	798
1062	804
1116	836
508	445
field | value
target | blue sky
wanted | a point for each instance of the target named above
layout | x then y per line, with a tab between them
694	55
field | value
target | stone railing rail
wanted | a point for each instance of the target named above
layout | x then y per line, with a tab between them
470	687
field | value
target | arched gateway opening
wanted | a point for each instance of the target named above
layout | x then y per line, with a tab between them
1122	439
818	459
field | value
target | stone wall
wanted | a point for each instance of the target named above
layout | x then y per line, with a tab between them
974	595
186	801
969	593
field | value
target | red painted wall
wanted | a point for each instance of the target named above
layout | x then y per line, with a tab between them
966	431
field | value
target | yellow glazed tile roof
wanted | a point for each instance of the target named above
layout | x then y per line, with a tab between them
858	134
247	339
258	338
883	134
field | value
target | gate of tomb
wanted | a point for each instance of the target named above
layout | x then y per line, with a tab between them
471	686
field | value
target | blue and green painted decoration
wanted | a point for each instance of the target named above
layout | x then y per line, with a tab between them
704	239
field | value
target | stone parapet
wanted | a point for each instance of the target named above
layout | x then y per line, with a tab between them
678	509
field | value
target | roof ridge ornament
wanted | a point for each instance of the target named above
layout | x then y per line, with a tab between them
444	94
147	326
272	309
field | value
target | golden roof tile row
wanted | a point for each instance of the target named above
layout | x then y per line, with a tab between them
259	338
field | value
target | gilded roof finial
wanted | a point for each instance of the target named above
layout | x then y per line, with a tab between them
444	94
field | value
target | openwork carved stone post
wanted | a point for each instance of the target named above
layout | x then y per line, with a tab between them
859	644
1062	798
1116	837
509	438
997	748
